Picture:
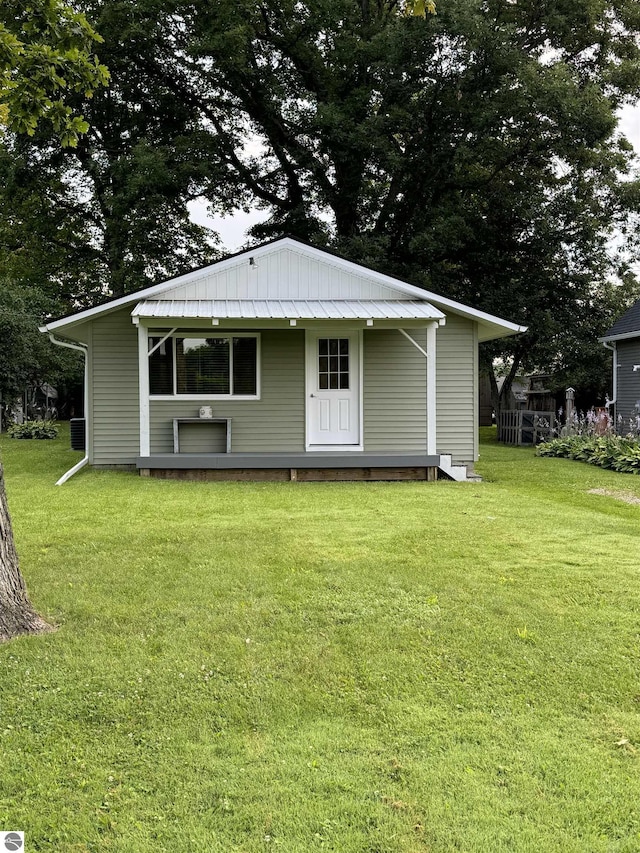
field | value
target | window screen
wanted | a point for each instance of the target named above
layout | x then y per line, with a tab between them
202	366
161	366
221	365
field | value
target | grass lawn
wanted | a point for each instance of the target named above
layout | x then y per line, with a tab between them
349	667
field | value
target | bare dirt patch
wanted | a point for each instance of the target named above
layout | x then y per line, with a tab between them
627	497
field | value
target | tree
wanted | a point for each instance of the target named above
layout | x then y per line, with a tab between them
45	49
47	234
474	151
415	144
17	615
45	52
26	356
131	176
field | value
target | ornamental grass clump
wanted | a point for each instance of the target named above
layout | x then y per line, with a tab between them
33	429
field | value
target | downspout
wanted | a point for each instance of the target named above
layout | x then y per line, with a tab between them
614	349
83	349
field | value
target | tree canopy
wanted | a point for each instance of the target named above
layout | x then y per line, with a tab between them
46	58
473	151
46	52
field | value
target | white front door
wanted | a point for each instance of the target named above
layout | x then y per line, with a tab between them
333	389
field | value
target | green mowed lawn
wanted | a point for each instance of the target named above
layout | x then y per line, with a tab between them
351	667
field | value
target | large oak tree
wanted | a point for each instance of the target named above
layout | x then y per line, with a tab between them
474	151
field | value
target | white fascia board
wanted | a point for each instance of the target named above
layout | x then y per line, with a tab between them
170	284
154	290
624	337
496	326
411	289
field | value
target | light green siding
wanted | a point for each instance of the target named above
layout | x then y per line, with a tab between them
395	392
457	389
394	396
274	423
114	413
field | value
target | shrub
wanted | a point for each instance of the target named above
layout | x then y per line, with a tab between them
616	452
33	429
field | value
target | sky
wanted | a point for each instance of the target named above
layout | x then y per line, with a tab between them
233	228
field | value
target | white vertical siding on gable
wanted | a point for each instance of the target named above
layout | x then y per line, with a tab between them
114	399
457	383
283	274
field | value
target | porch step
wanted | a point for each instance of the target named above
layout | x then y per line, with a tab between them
456	472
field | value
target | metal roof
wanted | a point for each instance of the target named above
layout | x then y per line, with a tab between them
289	309
490	327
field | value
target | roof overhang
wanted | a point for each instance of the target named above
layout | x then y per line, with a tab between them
610	339
285	309
490	327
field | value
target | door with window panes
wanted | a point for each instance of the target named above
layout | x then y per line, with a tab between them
333	374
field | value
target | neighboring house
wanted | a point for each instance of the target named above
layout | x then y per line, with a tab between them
624	339
314	368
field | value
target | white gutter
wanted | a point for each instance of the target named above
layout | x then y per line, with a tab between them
83	349
614	349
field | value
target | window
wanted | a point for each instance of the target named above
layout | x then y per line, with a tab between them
333	363
219	366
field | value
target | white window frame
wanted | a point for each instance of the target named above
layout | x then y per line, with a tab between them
196	333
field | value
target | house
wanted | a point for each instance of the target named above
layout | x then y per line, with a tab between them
624	339
282	362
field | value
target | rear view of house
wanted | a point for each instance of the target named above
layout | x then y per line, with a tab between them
282	362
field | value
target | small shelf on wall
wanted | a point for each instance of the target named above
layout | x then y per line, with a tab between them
178	422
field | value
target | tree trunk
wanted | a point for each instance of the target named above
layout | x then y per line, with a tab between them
496	401
500	397
17	615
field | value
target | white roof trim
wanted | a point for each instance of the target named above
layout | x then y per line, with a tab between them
623	337
497	326
285	309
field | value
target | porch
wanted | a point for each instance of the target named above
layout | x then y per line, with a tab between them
309	466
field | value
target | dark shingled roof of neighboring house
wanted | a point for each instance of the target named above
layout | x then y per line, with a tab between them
627	324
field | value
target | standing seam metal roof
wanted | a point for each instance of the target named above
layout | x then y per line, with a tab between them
284	309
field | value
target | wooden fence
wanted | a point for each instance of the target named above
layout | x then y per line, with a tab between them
525	427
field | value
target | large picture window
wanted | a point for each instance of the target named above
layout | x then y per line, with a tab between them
198	366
